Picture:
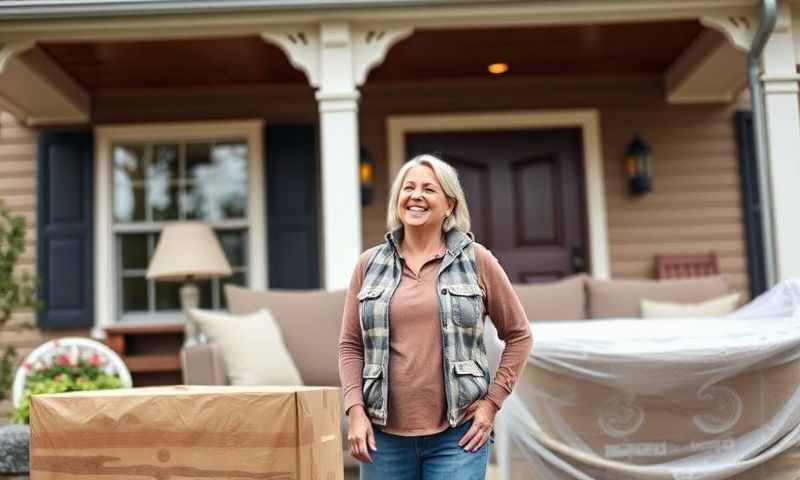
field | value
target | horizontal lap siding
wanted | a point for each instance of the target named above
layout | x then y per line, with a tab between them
695	205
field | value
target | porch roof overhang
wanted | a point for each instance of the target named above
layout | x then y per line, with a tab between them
53	96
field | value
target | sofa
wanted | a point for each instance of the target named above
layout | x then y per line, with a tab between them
310	320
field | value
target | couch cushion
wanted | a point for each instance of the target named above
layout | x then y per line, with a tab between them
621	298
310	321
716	307
251	345
563	299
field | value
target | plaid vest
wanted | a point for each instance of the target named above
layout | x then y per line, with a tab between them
461	317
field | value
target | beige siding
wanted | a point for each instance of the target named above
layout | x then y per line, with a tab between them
18	192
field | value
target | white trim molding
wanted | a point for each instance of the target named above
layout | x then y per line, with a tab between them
106	136
588	120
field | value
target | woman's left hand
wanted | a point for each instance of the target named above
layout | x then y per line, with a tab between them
483	413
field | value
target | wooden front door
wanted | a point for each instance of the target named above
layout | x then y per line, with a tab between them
524	190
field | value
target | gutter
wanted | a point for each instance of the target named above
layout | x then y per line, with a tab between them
768	20
50	9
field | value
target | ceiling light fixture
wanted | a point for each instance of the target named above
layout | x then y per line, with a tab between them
498	68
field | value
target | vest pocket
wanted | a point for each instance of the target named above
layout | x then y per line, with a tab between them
466	303
369	304
471	382
372	385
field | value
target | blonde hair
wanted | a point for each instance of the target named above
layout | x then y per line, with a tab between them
448	179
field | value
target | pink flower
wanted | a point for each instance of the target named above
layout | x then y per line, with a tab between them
27	367
95	360
62	359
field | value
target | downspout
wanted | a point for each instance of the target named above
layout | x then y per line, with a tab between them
768	19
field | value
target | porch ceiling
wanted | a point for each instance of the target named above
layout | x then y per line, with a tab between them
612	49
208	62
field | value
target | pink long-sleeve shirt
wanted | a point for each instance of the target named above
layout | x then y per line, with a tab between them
417	404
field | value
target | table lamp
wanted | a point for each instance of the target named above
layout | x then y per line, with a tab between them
187	252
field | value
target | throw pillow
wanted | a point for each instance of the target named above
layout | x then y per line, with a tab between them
563	299
252	347
716	307
622	298
298	313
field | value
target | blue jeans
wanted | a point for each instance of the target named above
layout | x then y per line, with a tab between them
426	457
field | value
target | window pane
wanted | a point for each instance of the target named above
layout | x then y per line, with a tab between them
206	300
164	166
134	294
128	182
168	296
198	158
128	162
219	188
134	251
164	202
128	203
233	244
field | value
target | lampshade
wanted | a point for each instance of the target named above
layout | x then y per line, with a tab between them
188	249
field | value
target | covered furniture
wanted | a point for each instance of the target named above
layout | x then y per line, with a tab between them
666	399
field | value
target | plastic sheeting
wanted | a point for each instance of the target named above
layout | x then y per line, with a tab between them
697	398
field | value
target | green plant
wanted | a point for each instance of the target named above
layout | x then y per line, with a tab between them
17	291
65	370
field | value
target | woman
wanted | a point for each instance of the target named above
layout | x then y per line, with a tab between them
412	361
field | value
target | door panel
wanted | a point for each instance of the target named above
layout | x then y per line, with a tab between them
524	190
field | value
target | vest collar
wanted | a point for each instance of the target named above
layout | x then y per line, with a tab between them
456	241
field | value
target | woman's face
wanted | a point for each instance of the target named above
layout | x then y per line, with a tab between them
422	201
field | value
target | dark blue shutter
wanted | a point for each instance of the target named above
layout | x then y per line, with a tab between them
751	202
292	206
65	228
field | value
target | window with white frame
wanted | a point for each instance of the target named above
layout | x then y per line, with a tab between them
155	182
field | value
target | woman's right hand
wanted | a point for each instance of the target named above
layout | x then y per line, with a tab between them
360	434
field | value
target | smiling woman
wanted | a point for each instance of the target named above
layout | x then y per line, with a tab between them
436	284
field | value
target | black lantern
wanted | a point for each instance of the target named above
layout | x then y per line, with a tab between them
366	173
637	164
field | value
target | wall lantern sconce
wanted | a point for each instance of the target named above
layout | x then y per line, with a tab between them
366	174
637	165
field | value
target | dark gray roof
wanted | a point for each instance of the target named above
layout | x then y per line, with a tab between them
21	9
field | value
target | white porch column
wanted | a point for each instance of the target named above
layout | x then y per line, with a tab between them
783	139
338	111
337	56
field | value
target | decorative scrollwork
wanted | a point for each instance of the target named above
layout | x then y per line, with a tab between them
724	409
620	417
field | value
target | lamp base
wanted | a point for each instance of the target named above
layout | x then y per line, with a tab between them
190	298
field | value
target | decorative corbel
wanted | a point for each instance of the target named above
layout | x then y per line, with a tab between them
739	29
301	46
371	45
